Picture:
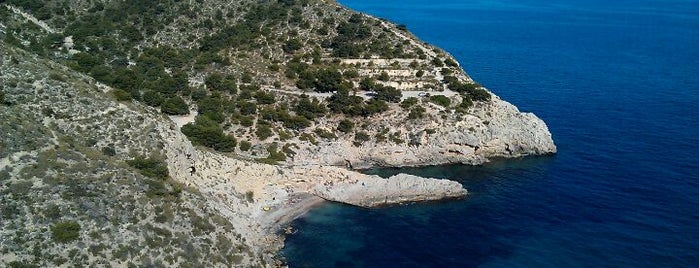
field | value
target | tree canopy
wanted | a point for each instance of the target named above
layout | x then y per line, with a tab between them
204	131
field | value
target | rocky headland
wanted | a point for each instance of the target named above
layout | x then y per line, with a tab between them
219	145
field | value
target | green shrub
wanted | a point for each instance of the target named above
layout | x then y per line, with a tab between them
152	98
416	112
66	231
327	80
395	137
246	77
158	188
450	62
472	90
204	131
246	107
383	77
212	107
245	145
292	45
19	264
217	82
109	150
309	138
247	121
174	106
479	94
352	73
296	122
373	106
274	155
57	77
389	94
263	131
409	102
283	135
151	167
420	73
465	104
121	95
441	100
437	62
324	134
447	71
343	102
310	108
264	97
367	84
345	126
361	136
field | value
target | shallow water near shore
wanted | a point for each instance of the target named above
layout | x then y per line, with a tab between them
617	85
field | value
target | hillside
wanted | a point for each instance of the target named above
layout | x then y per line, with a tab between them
65	178
162	132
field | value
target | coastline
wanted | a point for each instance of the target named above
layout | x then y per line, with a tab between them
294	208
259	199
319	173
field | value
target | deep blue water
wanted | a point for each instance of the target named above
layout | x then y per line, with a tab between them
617	83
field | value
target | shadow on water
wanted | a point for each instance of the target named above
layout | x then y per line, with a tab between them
614	80
413	235
462	173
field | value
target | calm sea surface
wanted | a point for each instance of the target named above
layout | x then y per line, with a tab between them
617	83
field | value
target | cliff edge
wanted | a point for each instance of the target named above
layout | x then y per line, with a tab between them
192	148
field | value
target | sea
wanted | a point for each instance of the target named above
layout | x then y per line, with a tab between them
617	82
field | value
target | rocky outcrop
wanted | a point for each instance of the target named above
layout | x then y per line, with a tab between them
372	191
488	130
259	198
67	143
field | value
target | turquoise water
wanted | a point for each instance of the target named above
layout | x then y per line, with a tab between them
618	84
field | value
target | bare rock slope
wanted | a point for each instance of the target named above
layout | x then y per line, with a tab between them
495	129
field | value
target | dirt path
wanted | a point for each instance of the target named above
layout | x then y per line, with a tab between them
368	95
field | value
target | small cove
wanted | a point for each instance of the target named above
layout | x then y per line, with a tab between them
615	82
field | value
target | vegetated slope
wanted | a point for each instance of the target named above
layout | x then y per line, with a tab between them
244	64
305	83
83	180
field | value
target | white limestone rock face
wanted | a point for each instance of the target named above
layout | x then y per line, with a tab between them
511	133
372	191
488	130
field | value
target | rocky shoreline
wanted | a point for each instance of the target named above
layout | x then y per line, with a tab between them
495	129
74	113
276	195
261	198
283	193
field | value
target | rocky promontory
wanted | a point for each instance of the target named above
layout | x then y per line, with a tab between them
494	129
374	191
129	141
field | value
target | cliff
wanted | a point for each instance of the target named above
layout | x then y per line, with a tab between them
495	129
128	140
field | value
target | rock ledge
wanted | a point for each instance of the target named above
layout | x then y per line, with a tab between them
374	191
